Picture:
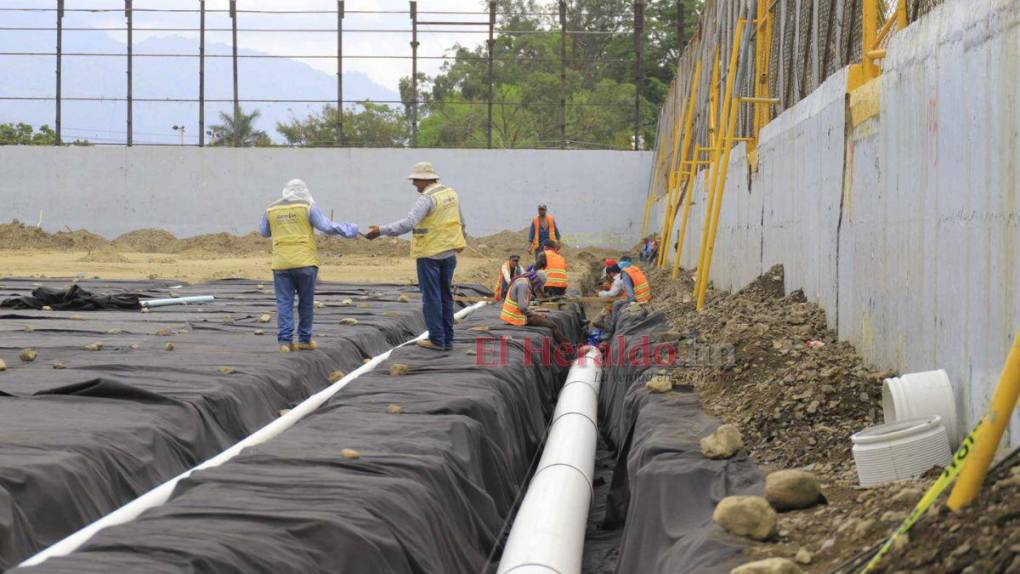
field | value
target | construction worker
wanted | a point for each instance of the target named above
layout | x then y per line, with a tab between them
556	269
628	284
543	228
437	237
291	222
511	268
517	310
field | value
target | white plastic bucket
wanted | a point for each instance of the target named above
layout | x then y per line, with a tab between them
900	450
917	395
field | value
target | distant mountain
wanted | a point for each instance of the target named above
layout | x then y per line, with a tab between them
276	78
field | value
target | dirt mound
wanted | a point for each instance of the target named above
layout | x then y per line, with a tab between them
795	390
17	235
104	255
225	244
147	241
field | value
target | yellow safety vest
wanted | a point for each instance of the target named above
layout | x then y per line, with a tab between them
642	291
511	311
555	270
293	236
441	229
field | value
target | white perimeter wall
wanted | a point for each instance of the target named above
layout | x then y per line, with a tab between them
904	228
594	195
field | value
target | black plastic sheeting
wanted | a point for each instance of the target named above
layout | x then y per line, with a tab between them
663	490
431	491
76	443
73	298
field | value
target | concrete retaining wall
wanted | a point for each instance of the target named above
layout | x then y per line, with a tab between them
904	227
189	191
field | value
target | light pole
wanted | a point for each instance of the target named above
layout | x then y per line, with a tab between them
180	129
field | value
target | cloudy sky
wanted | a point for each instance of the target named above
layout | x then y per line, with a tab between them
386	72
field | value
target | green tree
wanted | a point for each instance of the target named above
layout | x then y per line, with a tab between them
226	133
374	125
25	134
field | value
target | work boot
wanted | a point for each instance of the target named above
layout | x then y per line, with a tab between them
309	346
427	344
287	347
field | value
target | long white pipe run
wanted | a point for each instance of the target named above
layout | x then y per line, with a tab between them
159	495
548	533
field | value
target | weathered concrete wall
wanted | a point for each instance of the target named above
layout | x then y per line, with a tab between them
904	227
188	191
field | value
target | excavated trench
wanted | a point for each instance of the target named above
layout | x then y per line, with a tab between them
415	467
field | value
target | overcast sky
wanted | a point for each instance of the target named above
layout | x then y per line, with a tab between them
383	71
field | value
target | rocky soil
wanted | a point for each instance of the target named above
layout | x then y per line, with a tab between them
797	393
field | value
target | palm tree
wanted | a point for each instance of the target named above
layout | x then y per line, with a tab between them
241	133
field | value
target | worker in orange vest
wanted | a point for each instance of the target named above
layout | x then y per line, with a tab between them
629	285
517	310
543	228
556	269
511	268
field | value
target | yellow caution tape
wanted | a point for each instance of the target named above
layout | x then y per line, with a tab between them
945	479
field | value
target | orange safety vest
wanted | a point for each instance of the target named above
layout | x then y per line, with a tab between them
555	270
511	311
536	226
499	289
642	291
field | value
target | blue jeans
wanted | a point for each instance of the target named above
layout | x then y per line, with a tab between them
435	279
286	283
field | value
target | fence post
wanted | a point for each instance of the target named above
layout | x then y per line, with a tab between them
639	73
563	74
491	46
201	74
60	52
340	72
233	45
130	98
414	73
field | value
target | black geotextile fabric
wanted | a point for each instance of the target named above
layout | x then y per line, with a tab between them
73	298
429	492
663	490
78	442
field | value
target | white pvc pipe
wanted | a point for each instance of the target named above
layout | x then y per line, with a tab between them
159	495
548	533
177	301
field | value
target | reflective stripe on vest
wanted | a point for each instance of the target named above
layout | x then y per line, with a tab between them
536	227
511	311
555	270
441	229
642	291
293	236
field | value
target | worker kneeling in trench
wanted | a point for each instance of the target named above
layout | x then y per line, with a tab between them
517	309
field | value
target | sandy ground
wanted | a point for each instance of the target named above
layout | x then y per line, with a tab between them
127	265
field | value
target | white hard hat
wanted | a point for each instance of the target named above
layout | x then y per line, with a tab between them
423	170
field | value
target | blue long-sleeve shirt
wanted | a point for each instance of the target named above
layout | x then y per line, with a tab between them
318	221
543	234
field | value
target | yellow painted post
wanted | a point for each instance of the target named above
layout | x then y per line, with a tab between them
901	14
728	108
867	70
763	57
683	152
714	132
682	232
672	179
988	436
717	205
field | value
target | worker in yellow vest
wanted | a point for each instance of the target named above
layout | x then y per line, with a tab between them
292	222
556	269
511	268
437	227
517	309
543	228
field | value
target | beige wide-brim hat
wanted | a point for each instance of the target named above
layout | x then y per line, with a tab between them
423	170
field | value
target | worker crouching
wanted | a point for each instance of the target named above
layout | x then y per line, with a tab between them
628	285
291	222
517	309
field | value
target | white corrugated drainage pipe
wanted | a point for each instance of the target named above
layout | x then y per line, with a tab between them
900	450
917	395
159	495
548	533
197	299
